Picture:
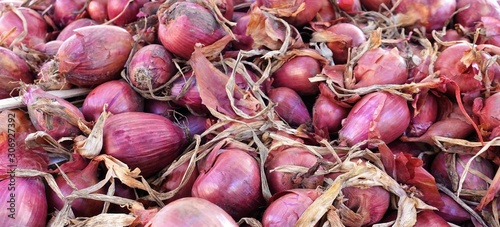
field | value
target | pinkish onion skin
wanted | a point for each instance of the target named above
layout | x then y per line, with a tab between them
163	108
431	14
92	57
195	124
488	112
327	116
115	7
173	180
191	98
349	6
48	79
375	5
326	11
477	9
232	182
141	139
151	64
67	11
349	36
69	30
245	41
49	48
290	106
184	24
36	27
311	8
117	94
370	203
380	66
12	69
98	10
377	115
424	117
60	127
30	206
426	218
452	211
191	211
281	181
295	74
286	208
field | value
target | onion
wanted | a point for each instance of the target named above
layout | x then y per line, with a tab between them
281	181
286	208
119	96
163	108
151	66
375	5
230	180
328	113
56	126
50	48
476	9
452	211
128	14
416	150
378	62
290	106
98	10
488	112
428	14
344	36
349	6
492	30
188	95
36	28
173	180
297	13
424	114
326	11
67	11
192	212
12	69
81	179
245	41
92	57
183	24
194	124
141	139
48	79
295	74
378	115
426	218
69	29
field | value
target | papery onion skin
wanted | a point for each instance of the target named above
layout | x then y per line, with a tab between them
291	7
295	74
477	9
370	203
67	11
187	212
36	27
115	7
68	30
183	24
380	66
452	211
348	36
377	115
281	181
117	94
232	182
286	208
488	112
12	68
29	203
290	106
173	180
92	57
245	41
48	79
423	116
152	66
143	140
430	14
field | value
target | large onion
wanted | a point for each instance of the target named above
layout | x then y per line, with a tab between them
377	62
36	28
428	14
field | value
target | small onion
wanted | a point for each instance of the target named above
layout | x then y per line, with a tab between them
346	36
380	66
290	106
290	10
430	14
349	6
92	57
187	212
48	79
69	29
12	69
452	211
488	112
183	24
141	139
151	66
128	14
163	108
286	208
426	218
295	74
245	41
188	95
232	182
119	96
423	115
36	26
98	10
328	113
375	5
67	11
326	11
173	180
475	10
378	115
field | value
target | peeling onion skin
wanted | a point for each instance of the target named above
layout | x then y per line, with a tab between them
370	203
423	117
311	8
380	66
36	27
295	74
68	30
12	68
430	14
286	208
92	57
488	111
477	9
152	65
30	202
143	140
349	36
188	212
184	24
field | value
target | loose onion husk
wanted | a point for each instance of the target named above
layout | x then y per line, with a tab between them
69	29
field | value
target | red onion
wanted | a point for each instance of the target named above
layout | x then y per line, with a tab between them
119	96
67	11
326	11
183	24
81	179
488	112
369	204
378	115
328	113
154	138
55	126
344	36
452	211
12	69
297	13
230	180
69	29
123	191
245	41
414	149
281	181
429	14
50	48
92	57
286	208
187	212
492	30
98	10
151	66
163	108
426	218
190	98
424	114
36	27
194	124
295	74
290	106
226	8
378	62
375	5
349	6
48	79
476	9
128	14
173	180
